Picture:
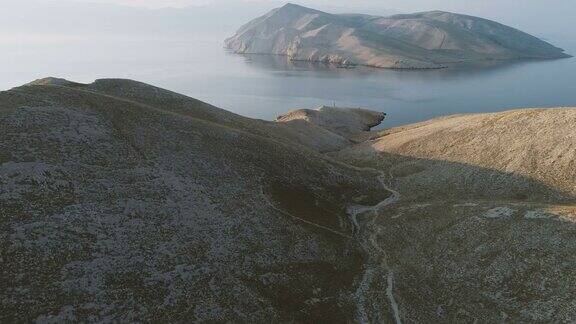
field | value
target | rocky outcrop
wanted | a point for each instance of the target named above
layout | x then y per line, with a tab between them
347	122
417	41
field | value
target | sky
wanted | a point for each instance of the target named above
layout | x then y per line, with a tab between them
538	16
548	19
402	5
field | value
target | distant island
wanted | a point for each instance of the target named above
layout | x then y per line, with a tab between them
426	40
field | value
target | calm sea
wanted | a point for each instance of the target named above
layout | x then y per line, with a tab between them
266	86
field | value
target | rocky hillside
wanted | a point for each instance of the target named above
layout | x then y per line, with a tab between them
123	202
484	227
528	154
415	41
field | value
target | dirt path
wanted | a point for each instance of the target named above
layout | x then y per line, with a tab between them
378	258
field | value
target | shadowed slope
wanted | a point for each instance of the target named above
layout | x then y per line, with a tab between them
121	201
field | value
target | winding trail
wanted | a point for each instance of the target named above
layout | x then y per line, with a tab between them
378	256
390	294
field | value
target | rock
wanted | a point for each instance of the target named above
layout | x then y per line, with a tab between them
343	121
538	214
499	212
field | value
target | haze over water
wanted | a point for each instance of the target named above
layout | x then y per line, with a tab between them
258	86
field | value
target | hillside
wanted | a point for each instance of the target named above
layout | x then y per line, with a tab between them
120	201
414	41
536	145
484	227
124	202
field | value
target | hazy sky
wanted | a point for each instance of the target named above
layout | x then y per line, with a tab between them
463	5
544	18
561	13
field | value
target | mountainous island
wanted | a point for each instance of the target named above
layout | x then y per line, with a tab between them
427	40
123	202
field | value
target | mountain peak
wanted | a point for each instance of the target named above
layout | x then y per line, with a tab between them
52	81
292	5
295	8
49	81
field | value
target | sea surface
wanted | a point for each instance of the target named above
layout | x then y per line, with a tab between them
263	86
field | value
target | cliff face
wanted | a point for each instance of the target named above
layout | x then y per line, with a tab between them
422	40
